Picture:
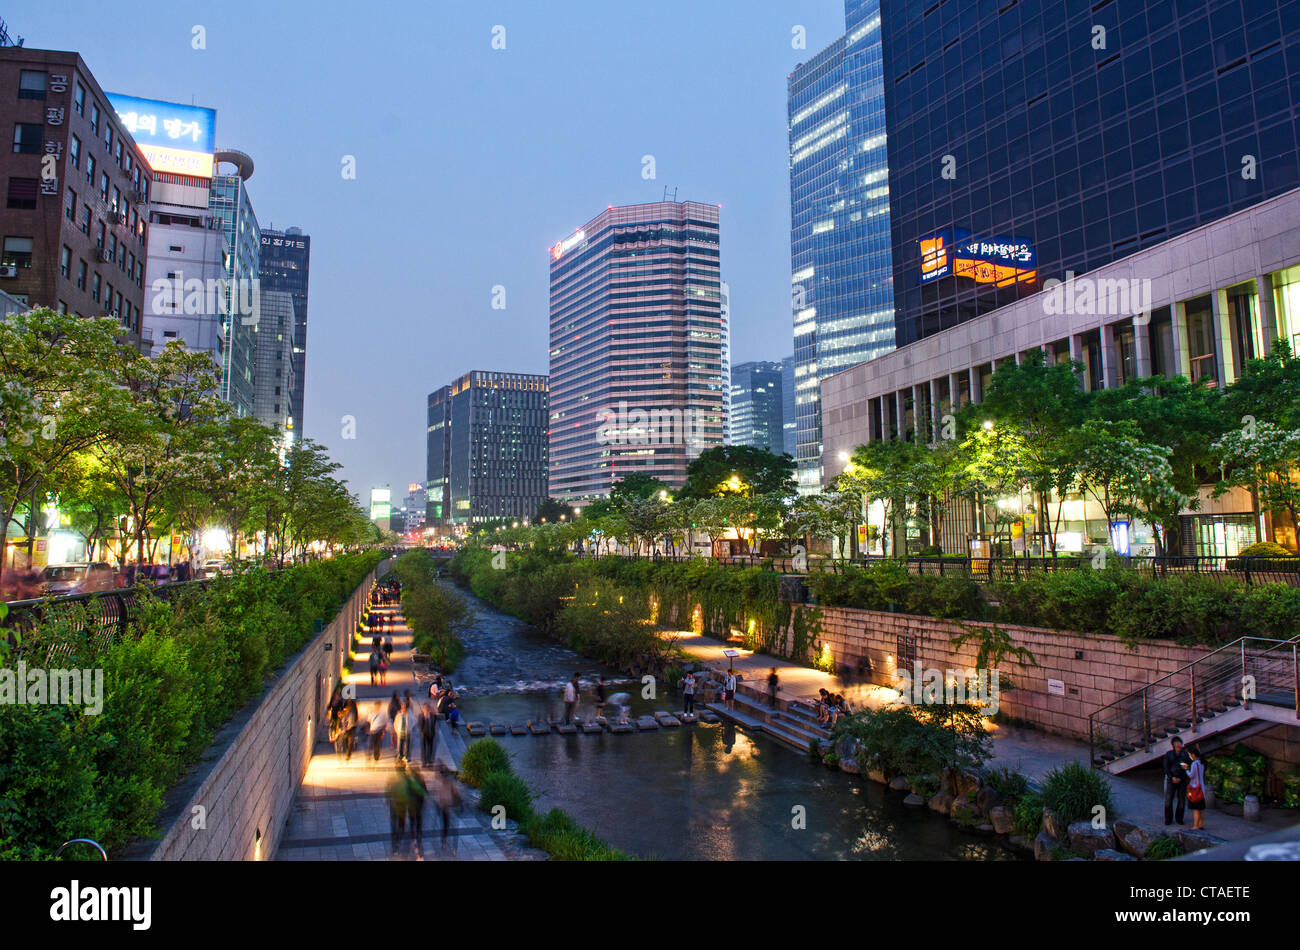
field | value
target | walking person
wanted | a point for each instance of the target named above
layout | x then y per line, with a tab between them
428	733
729	689
374	667
570	699
1196	788
1175	781
394	706
447	795
399	803
388	648
402	733
688	691
349	724
600	697
378	726
772	682
416	793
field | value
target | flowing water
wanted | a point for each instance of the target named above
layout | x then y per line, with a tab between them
698	792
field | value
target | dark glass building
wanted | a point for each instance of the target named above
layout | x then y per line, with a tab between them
757	404
285	266
487	449
1028	138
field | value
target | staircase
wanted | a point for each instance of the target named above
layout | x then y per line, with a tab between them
1205	698
792	723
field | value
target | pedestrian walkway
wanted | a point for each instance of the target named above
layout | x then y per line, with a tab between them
1138	796
341	810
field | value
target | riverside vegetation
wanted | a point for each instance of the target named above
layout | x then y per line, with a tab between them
187	666
435	613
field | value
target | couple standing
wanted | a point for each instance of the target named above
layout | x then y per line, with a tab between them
1184	783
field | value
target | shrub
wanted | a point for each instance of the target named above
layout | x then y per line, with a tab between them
1074	790
1162	849
481	758
1028	814
1011	786
918	740
508	789
558	834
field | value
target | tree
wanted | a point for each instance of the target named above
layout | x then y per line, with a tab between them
1266	459
1267	390
1122	472
738	469
637	485
553	510
58	401
902	476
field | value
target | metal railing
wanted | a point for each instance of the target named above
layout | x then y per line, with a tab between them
1202	689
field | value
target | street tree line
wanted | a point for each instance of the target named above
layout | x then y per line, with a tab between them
140	447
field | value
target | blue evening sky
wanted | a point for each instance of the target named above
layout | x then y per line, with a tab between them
470	163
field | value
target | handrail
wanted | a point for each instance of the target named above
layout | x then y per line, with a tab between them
1165	701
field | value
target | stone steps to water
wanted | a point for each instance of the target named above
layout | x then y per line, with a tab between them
757	719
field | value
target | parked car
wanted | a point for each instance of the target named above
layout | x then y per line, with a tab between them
61	579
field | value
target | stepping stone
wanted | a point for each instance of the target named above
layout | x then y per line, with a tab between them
590	728
647	724
567	729
497	729
539	728
518	730
707	716
621	728
667	720
688	719
477	729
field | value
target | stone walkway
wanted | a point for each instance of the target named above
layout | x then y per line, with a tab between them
341	810
1138	796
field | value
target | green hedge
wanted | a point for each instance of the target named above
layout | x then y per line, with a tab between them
186	668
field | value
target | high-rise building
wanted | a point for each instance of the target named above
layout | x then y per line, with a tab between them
230	204
757	407
1031	142
73	226
842	296
285	265
487	449
274	370
789	423
415	507
637	340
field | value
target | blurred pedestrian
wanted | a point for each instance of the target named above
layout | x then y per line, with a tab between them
772	682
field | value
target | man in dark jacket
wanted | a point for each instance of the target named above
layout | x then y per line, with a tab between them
1175	780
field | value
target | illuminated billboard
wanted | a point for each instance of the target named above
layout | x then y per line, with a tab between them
380	504
174	138
1000	261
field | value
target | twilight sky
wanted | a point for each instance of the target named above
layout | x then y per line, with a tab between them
470	162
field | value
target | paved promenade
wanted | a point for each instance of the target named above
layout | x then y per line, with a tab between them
1138	796
341	811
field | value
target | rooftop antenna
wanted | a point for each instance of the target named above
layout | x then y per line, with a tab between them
674	197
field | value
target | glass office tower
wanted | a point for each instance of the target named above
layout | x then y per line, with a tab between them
1077	132
841	265
229	202
285	265
755	417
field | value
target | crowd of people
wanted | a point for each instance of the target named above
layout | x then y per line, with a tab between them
831	707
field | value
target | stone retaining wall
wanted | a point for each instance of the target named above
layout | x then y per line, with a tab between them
1094	670
235	803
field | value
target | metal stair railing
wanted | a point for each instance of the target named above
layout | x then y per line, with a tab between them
1185	698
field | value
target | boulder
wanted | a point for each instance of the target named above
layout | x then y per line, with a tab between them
850	765
1043	846
1054	825
847	747
1139	840
986	800
964	810
1121	827
1110	854
968	783
1193	840
877	775
900	783
1084	837
914	799
941	802
1003	819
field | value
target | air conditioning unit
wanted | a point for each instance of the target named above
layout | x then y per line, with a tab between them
8	270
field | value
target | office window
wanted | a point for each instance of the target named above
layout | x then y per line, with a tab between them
17	251
108	137
103	186
74	151
85	220
116	203
22	193
27	138
65	261
81	275
94	118
70	209
94	289
90	169
117	300
79	99
117	153
1200	340
31	84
